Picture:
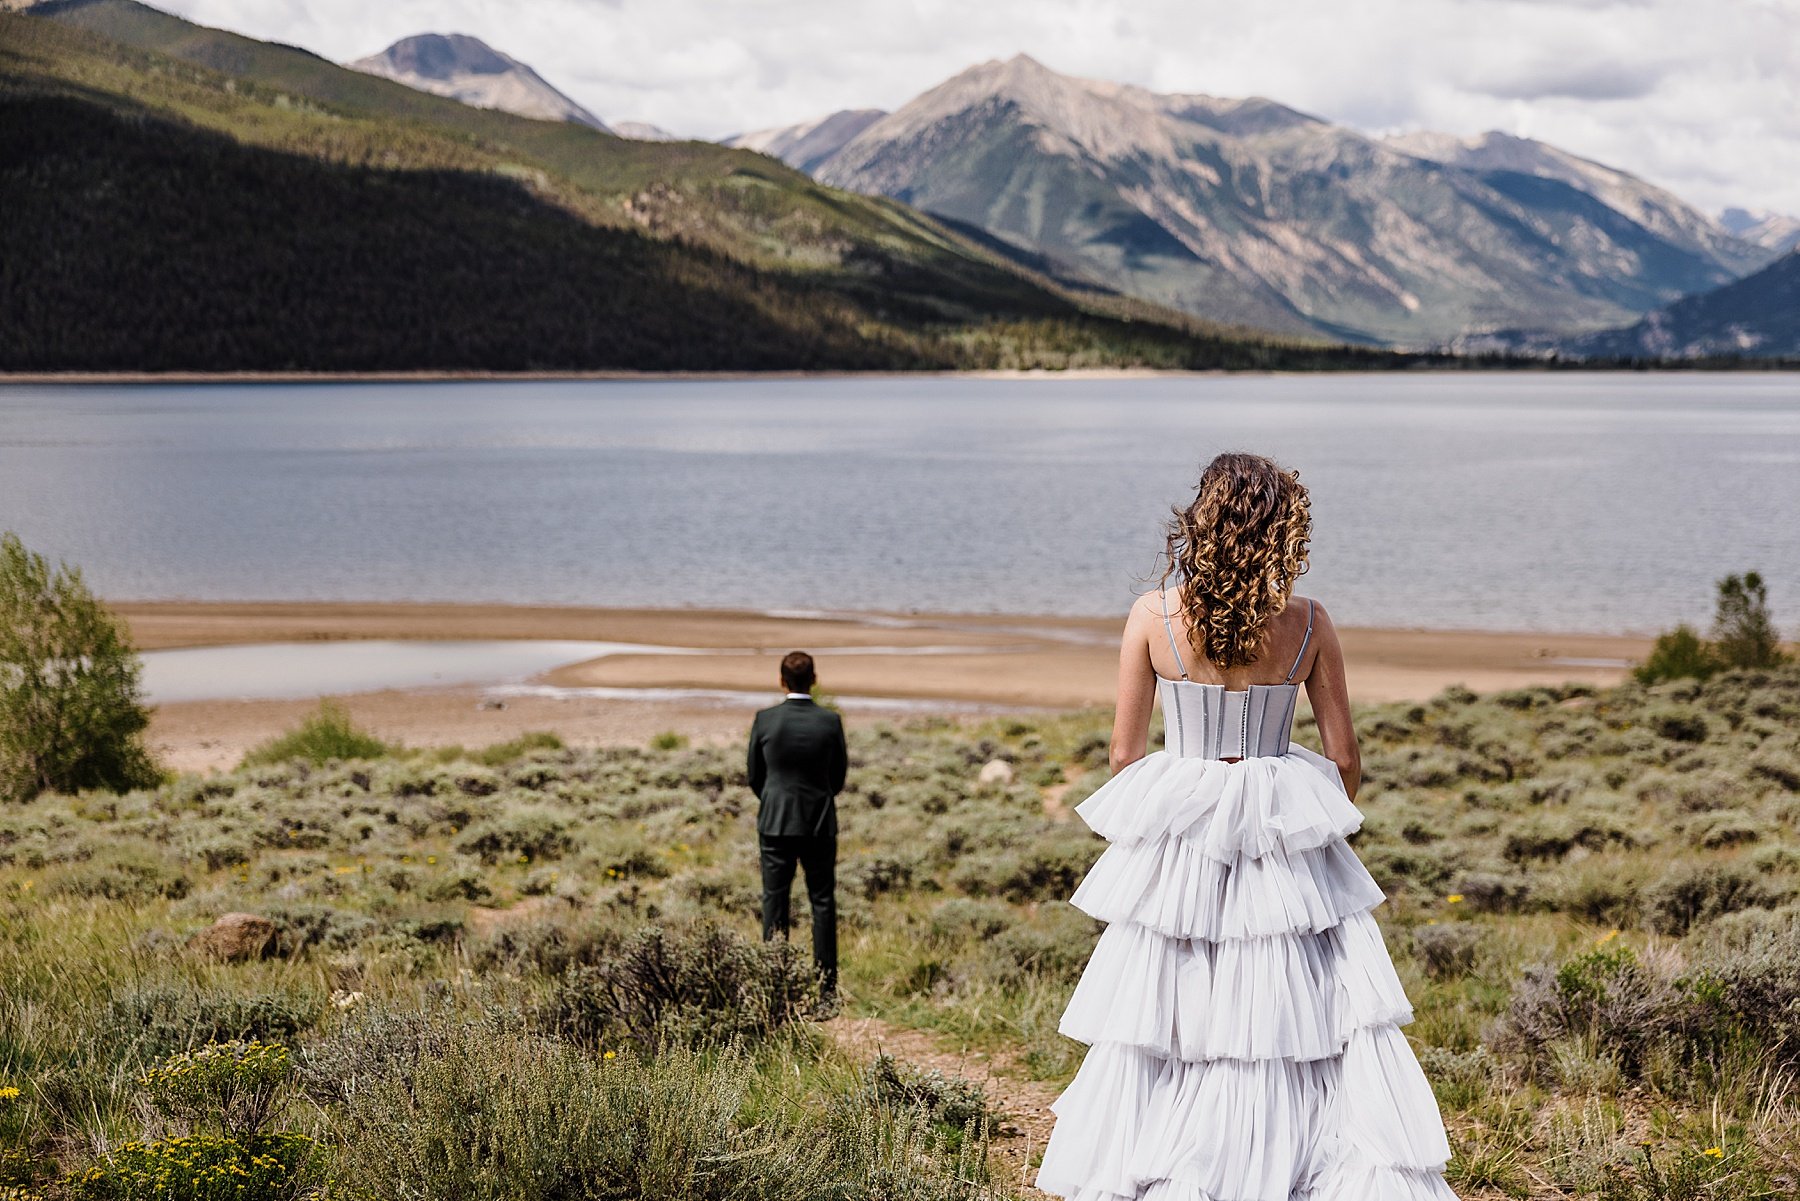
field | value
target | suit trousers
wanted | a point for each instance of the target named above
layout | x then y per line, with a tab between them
781	853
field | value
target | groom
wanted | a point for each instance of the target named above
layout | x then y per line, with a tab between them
797	765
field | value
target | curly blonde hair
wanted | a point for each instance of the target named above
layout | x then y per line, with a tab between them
1238	548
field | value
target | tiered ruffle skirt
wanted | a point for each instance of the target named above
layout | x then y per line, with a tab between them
1242	1014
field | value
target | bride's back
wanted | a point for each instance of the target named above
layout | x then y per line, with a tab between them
1284	656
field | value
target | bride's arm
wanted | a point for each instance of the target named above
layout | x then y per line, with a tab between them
1137	693
1329	695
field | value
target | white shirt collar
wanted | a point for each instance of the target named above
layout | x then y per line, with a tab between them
799	696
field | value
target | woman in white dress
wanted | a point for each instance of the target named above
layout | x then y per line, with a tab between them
1241	1012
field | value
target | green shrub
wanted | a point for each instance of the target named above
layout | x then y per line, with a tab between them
1606	996
1446	950
325	735
463	885
526	833
162	1019
529	743
1689	894
1677	725
71	705
496	1114
301	926
1743	635
870	878
1494	892
1677	654
958	1104
704	985
965	918
237	1084
123	873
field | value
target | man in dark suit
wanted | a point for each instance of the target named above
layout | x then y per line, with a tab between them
797	765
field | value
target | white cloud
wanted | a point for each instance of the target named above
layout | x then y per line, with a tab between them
1703	99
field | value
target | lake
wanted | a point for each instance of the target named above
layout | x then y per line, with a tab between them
1604	502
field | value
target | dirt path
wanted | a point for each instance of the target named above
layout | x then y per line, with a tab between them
1026	1103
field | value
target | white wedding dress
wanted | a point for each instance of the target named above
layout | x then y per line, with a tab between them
1241	1012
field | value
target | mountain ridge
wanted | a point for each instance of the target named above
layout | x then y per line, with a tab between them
1253	209
1754	317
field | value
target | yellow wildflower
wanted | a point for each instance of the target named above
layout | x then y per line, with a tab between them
8	1093
1455	898
431	859
1606	938
1714	1152
608	1055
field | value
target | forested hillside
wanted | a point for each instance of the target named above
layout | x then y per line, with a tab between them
179	198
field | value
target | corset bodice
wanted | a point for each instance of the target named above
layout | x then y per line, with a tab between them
1210	721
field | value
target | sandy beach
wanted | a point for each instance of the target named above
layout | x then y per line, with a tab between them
886	665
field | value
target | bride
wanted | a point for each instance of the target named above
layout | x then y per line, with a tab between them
1242	1014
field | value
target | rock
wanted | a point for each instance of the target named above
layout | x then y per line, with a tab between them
995	771
490	703
236	936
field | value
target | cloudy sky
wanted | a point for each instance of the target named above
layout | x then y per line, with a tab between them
1702	96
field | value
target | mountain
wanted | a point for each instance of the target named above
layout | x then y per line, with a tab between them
1754	317
805	146
180	198
468	69
1773	231
1656	209
643	131
1249	211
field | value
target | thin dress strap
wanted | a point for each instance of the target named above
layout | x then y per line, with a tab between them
1303	642
1170	631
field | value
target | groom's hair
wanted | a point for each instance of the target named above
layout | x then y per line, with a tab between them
797	672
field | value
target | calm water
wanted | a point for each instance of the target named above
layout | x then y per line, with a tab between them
1525	502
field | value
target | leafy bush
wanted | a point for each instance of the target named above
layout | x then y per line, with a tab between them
71	706
1677	654
324	735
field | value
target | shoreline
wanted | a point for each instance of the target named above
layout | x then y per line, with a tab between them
721	664
603	375
619	375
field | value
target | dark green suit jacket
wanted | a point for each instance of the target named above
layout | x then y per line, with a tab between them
797	765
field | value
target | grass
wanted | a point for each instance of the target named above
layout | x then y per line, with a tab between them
325	736
1594	904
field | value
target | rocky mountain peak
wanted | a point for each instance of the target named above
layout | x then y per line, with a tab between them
446	55
466	68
